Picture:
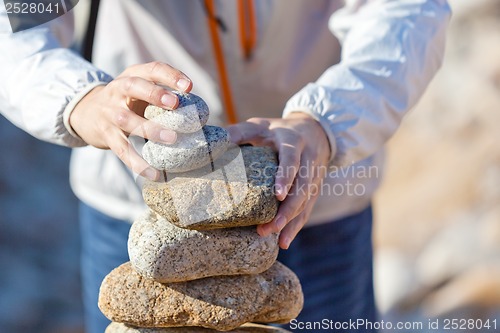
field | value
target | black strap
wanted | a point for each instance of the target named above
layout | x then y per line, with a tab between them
88	42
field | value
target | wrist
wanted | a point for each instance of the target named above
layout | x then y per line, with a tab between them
317	128
76	105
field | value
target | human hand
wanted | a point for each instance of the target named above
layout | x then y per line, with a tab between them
303	151
107	115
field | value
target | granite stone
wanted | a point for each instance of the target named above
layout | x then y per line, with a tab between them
190	151
238	191
161	251
246	328
220	303
190	115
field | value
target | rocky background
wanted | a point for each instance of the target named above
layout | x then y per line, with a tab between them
438	213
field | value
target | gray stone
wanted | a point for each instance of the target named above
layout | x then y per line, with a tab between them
190	151
239	192
246	328
190	115
220	303
161	251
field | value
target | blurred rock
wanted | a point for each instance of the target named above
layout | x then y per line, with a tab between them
439	202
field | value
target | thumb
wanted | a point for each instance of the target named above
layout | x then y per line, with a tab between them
246	132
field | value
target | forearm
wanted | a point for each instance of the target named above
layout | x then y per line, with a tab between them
39	77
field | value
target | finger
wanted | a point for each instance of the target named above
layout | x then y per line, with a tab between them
288	210
120	145
136	88
289	165
131	123
291	230
161	73
247	132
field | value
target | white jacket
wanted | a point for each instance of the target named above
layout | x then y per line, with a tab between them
359	93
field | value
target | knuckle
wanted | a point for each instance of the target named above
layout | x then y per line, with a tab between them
129	83
122	118
154	66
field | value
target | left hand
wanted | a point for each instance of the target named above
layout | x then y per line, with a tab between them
303	151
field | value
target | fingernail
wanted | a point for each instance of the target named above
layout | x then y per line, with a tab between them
183	84
281	222
168	136
169	101
151	173
286	243
279	189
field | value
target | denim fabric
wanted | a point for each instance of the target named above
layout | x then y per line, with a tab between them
333	262
104	247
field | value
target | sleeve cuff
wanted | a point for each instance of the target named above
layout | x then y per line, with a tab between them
72	104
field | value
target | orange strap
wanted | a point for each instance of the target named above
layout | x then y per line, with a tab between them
248	30
219	59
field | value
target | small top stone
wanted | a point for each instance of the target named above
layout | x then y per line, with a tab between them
190	116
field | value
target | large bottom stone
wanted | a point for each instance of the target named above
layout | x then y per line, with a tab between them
237	192
247	328
221	303
163	252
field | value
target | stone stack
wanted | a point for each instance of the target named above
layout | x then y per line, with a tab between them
197	263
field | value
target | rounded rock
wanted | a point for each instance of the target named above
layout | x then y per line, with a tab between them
246	328
161	251
220	303
190	115
191	150
239	192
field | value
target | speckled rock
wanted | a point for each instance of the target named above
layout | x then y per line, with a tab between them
190	115
239	192
220	303
247	328
161	251
190	151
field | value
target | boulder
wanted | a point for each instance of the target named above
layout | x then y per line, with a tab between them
239	191
161	251
221	303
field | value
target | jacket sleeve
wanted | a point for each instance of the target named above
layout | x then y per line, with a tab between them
40	78
391	49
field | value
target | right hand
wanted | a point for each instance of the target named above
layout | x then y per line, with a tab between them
107	115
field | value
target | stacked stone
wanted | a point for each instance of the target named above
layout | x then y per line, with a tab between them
197	263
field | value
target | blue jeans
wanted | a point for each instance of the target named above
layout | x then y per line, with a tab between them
333	262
